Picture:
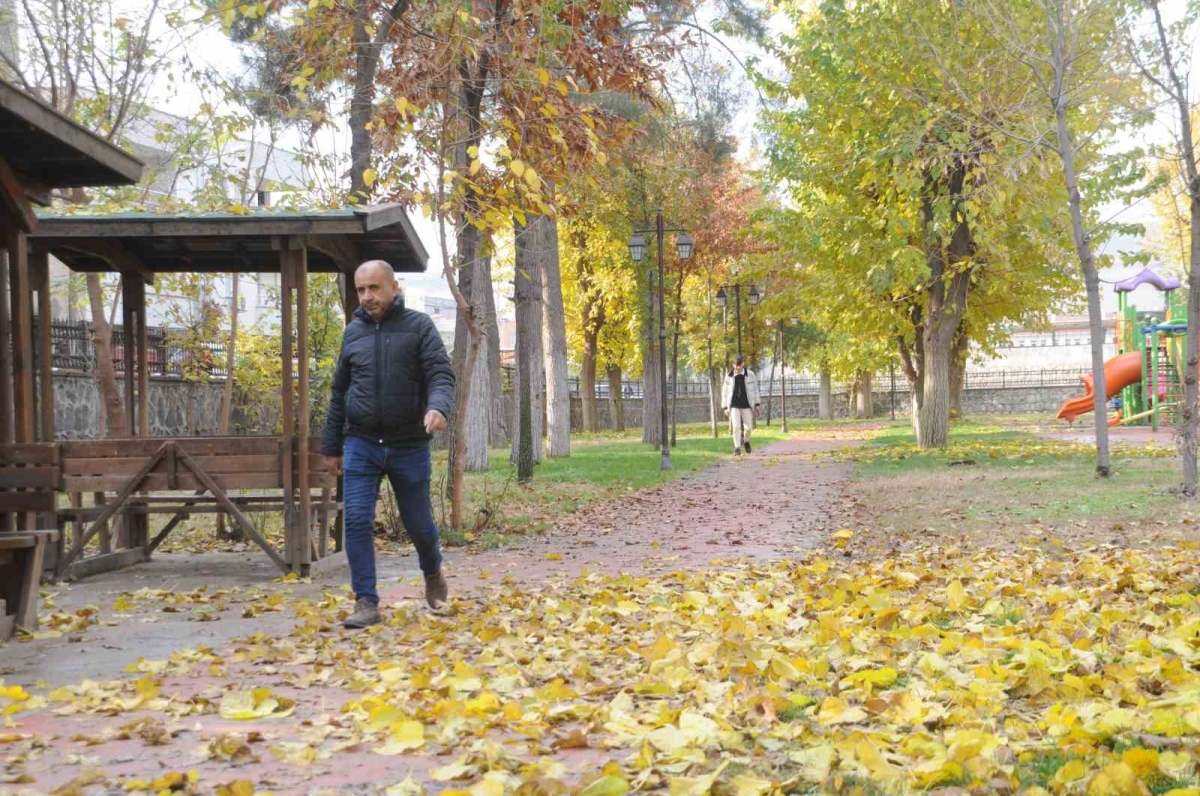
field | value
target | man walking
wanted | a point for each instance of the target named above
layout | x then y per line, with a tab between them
393	388
740	400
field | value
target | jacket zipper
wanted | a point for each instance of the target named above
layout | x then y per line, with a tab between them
378	383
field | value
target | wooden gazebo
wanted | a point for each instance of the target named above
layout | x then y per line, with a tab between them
181	476
40	151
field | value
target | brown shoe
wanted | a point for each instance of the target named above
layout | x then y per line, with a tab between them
366	613
436	590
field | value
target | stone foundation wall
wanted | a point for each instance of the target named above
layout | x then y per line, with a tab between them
179	408
176	408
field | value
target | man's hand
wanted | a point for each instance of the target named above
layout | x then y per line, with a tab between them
757	409
726	411
333	465
434	421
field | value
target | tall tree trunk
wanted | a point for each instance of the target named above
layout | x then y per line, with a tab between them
825	396
469	270
616	398
554	343
934	429
106	374
463	118
491	325
865	395
479	404
1190	416
479	409
526	295
233	533
369	37
958	371
587	382
528	268
594	314
944	303
458	441
1083	242
1191	391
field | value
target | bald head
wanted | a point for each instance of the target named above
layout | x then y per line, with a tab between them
376	284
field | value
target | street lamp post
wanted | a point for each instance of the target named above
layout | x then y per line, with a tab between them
637	251
752	296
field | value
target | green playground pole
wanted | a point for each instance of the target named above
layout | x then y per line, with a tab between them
1154	386
1144	386
1125	338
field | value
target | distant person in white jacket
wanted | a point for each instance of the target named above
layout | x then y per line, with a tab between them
740	400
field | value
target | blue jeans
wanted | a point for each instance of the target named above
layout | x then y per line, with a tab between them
364	465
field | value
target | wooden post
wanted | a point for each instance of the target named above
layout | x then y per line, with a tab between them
127	531
349	305
22	337
6	369
302	556
21	330
142	343
39	266
289	451
7	427
139	531
128	302
349	294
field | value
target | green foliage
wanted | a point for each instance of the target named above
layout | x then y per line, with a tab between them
881	113
194	320
258	368
602	288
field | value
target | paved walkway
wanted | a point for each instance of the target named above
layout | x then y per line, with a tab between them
1129	435
254	632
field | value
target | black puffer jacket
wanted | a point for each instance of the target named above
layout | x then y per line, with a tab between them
389	374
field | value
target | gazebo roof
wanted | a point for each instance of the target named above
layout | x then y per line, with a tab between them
47	150
337	240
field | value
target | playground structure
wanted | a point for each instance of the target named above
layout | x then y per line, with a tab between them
1147	372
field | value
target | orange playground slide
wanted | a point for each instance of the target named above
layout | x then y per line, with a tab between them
1119	373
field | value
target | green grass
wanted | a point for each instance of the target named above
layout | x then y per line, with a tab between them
601	466
792	714
1014	479
1039	771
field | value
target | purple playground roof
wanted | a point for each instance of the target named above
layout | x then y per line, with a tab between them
1147	277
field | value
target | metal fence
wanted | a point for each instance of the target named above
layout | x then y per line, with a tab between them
73	346
796	386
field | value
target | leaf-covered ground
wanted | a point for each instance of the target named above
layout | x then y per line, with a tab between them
1028	667
934	668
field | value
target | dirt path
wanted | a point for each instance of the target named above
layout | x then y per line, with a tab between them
771	505
765	506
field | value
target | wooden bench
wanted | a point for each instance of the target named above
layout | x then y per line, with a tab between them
200	475
21	562
29	478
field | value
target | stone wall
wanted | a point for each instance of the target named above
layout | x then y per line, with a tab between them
178	408
1018	400
986	401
